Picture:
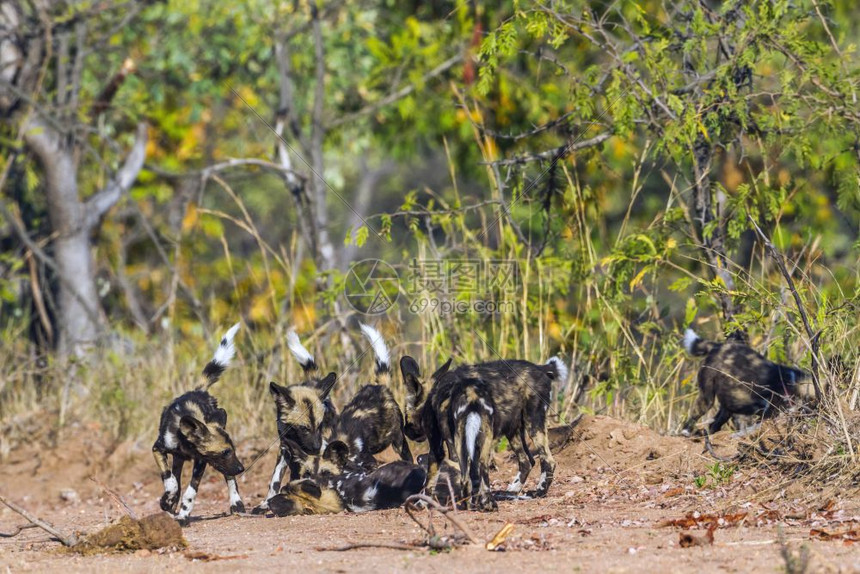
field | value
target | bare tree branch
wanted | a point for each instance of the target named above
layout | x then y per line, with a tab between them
99	204
549	155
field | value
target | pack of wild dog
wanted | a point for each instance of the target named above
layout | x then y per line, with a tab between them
326	458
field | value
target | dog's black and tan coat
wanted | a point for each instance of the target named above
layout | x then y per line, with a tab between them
474	404
744	382
330	483
193	428
372	420
306	417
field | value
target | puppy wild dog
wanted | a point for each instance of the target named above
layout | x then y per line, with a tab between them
194	428
520	392
330	483
305	415
373	420
744	382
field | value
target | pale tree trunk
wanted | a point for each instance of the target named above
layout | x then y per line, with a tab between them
318	184
80	318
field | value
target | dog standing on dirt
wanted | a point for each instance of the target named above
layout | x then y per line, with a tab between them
476	424
372	420
744	382
305	415
330	483
194	428
519	394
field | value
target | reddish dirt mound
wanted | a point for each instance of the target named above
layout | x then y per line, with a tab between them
604	444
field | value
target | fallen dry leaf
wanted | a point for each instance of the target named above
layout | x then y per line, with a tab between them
500	536
849	536
695	519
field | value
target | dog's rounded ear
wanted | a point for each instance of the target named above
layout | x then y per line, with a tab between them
310	488
409	366
412	379
192	428
281	394
443	369
337	452
325	386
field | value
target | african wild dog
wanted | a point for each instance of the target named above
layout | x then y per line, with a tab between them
520	393
373	420
329	483
475	421
194	428
420	392
305	415
743	380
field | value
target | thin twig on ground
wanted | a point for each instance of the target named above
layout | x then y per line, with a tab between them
446	512
360	545
115	498
18	530
66	539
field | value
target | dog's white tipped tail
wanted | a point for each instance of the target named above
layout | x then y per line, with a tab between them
690	338
226	350
473	425
560	368
302	355
380	349
223	356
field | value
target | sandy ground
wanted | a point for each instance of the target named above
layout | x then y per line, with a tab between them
615	485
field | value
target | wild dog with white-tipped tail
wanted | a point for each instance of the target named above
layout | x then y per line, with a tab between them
372	420
521	394
476	424
744	382
194	428
305	416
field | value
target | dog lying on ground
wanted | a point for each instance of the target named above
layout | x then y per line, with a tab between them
330	483
305	415
745	383
372	421
515	397
194	428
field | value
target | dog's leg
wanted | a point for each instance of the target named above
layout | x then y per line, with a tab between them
524	465
486	502
236	504
191	491
703	403
274	483
536	425
402	446
722	416
452	451
169	478
436	453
